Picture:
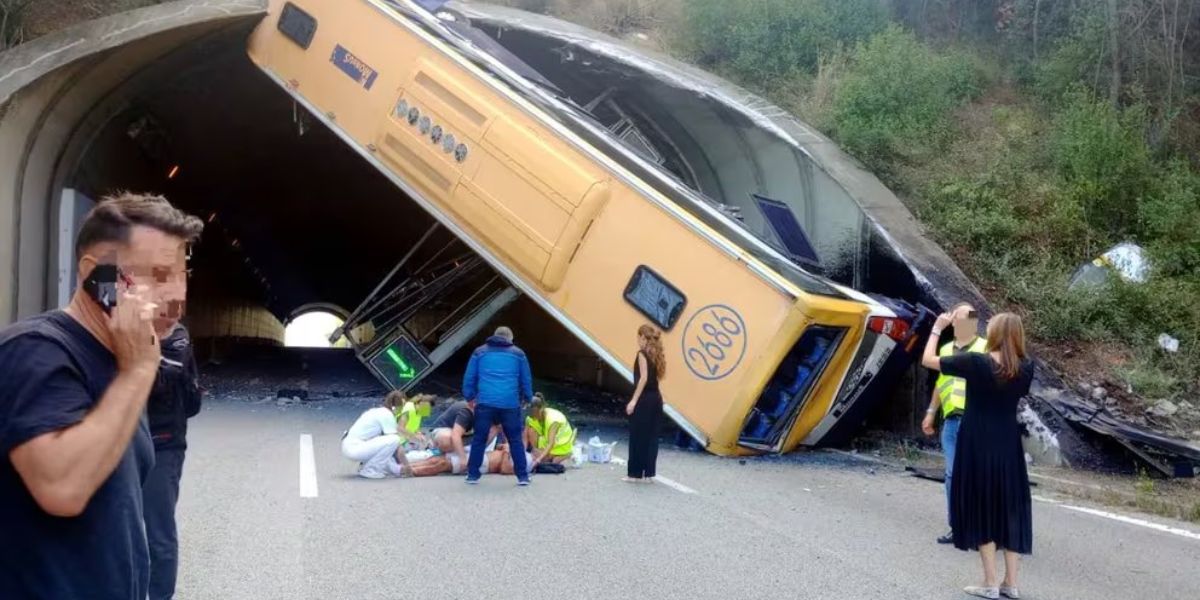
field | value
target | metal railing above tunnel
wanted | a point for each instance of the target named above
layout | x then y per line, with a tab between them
436	299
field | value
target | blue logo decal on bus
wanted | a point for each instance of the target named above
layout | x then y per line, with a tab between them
714	342
353	66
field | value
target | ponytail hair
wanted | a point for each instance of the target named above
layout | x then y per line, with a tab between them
654	349
394	399
1006	336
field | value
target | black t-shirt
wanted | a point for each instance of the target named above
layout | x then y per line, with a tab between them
176	393
54	372
457	414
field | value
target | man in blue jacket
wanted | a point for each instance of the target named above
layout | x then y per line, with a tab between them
498	379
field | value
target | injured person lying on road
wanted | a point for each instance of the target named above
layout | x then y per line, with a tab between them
426	464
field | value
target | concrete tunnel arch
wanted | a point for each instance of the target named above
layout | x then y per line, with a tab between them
61	94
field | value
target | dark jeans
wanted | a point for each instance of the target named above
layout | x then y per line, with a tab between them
510	420
160	492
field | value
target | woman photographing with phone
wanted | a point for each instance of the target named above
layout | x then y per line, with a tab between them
990	504
646	406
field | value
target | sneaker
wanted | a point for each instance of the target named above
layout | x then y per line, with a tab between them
472	480
983	592
523	482
370	473
1010	592
946	539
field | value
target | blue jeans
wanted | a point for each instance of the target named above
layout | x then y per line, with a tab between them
159	495
510	421
949	444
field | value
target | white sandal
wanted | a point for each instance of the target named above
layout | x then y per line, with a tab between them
983	592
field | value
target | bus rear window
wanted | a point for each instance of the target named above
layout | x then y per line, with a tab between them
788	388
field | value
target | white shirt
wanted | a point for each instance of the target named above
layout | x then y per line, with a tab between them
373	423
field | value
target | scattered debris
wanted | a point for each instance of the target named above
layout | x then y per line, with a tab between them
1168	343
1099	394
598	451
1128	260
1039	441
298	395
1164	408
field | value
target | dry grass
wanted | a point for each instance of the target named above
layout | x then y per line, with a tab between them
44	16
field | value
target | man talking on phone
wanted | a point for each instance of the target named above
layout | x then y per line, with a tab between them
74	442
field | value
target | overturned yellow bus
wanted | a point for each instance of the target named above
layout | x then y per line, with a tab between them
763	355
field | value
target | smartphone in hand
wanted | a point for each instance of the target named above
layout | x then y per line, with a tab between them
101	286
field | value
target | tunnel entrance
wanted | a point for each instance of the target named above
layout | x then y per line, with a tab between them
312	330
298	226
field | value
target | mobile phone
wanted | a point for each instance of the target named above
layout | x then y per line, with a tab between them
972	314
101	286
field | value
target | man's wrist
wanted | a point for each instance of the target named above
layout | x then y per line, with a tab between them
140	369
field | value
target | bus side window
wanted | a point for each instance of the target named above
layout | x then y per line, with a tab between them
654	297
788	230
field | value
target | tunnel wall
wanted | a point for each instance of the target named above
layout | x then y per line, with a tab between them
55	94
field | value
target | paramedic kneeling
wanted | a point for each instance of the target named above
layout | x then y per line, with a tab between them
548	433
74	443
374	440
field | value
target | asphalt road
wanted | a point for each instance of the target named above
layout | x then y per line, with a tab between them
813	525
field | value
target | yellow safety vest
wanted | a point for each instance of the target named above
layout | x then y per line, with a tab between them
564	439
414	418
952	391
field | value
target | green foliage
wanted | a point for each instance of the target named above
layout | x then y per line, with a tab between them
1150	382
12	21
1073	60
761	41
893	104
1170	220
1101	153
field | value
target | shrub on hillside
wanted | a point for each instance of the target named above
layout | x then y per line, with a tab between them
895	101
1169	221
761	41
1101	153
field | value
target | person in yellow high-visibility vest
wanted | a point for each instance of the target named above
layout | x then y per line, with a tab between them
548	433
950	393
409	413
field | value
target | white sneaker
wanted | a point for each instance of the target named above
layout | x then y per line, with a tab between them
983	592
1010	592
371	473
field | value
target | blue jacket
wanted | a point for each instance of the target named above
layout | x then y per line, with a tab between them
498	375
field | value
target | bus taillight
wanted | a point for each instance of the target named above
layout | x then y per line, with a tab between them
895	328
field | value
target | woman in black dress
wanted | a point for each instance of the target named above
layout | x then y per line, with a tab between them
645	409
990	505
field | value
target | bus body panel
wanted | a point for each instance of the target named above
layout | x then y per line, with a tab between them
568	231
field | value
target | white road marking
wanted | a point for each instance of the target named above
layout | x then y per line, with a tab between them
1134	521
671	483
308	468
1122	518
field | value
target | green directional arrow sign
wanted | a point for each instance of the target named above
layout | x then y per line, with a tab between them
401	363
404	370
